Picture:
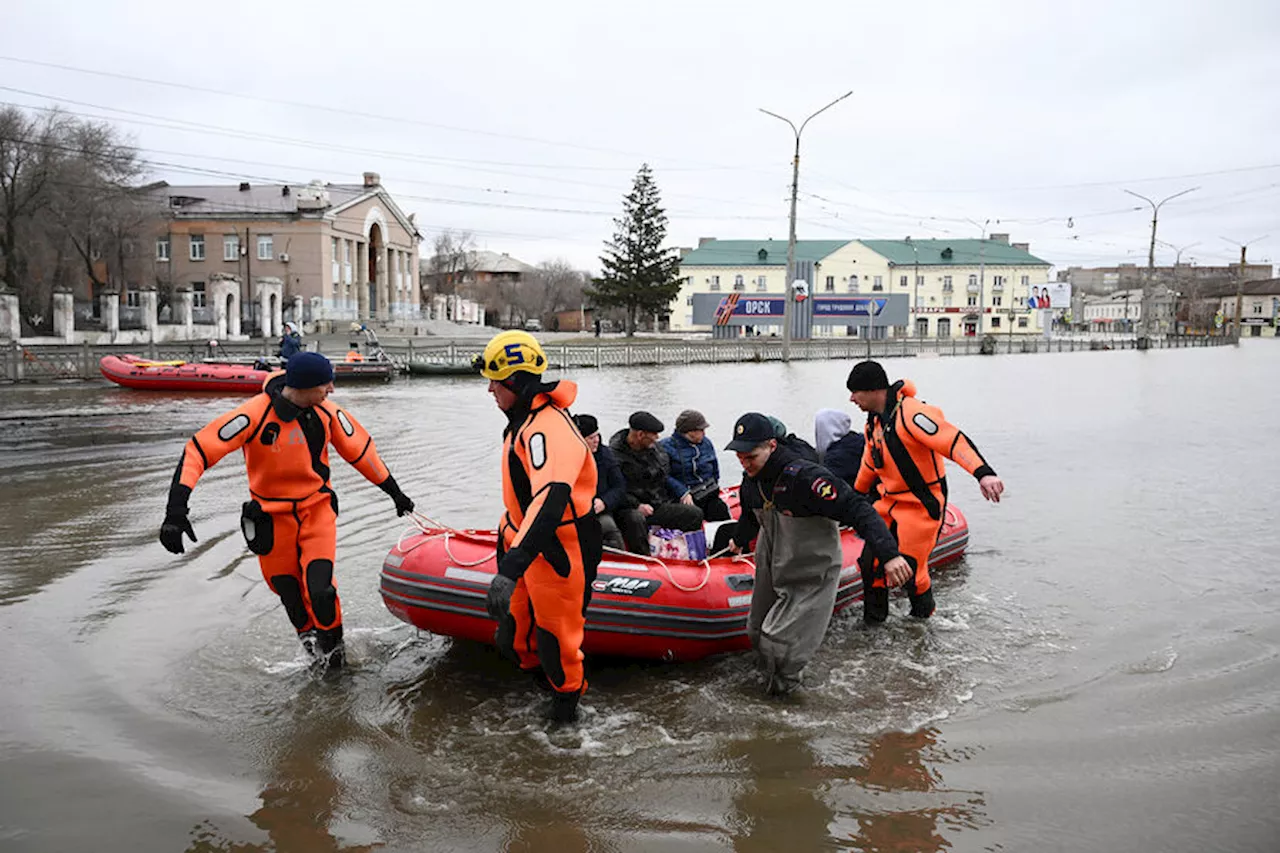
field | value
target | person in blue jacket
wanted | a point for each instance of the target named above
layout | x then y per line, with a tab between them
290	341
694	464
611	488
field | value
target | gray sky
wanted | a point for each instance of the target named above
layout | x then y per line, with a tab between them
525	122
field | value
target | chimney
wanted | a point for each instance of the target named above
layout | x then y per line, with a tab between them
1025	247
999	238
702	241
372	179
244	186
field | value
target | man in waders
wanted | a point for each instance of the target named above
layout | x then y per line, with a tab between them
906	442
291	521
549	540
799	510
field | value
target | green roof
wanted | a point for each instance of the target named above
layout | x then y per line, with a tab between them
746	253
962	253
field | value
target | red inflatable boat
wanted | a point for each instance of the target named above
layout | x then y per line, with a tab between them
134	372
641	607
227	377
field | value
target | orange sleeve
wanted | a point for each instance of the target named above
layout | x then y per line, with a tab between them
354	444
222	435
927	426
867	476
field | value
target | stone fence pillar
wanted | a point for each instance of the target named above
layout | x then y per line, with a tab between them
64	314
224	289
181	310
10	319
109	308
150	302
270	292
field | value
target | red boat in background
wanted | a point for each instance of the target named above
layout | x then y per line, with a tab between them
220	376
134	372
641	607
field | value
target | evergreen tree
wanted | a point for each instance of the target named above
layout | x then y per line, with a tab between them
638	273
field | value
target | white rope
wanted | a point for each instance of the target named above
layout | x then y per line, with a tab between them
706	575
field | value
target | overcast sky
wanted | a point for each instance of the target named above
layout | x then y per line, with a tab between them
524	123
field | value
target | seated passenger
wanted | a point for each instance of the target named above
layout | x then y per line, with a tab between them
611	488
839	449
653	496
694	464
793	442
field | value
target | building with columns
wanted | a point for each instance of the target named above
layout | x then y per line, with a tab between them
327	252
955	287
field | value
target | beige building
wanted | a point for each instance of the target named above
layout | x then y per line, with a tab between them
336	252
954	287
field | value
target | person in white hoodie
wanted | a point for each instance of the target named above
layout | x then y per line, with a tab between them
839	449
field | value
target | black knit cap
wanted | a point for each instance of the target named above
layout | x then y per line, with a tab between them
587	425
867	376
307	370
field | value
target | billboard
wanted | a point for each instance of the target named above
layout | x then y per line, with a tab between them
740	309
1059	294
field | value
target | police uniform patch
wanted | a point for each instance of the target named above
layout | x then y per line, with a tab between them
824	489
926	425
538	450
233	427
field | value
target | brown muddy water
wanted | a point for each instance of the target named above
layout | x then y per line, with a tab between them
1103	672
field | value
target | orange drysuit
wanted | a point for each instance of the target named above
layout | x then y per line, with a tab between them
291	523
905	448
549	539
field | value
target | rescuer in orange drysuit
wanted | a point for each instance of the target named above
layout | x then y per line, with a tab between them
291	521
906	443
549	540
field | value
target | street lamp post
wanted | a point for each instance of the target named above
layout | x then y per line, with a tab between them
1151	252
1240	278
791	238
982	269
915	288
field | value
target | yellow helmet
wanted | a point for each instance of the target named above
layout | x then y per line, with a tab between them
509	352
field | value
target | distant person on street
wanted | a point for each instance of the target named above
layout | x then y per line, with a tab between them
290	341
798	507
291	520
906	443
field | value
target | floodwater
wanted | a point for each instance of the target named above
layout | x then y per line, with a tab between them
1103	672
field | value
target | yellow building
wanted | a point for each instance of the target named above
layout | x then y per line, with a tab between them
955	287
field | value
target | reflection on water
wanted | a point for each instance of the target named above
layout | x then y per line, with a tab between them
169	695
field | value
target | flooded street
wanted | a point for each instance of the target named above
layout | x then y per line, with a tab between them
1102	674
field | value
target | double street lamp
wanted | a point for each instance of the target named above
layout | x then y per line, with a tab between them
791	238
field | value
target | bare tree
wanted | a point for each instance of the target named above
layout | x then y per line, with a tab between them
451	264
555	286
29	154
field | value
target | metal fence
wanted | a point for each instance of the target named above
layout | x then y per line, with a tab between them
47	362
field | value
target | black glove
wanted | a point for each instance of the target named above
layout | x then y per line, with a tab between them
171	533
498	601
403	504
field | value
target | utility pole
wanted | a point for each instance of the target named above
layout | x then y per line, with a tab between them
791	238
1240	279
982	271
915	286
1151	253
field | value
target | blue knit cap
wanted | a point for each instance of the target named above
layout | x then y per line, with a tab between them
307	370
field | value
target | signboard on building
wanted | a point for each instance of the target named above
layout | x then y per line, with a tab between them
1059	294
741	309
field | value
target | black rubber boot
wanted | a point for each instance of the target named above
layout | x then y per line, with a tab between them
539	679
309	640
875	605
922	605
564	707
330	650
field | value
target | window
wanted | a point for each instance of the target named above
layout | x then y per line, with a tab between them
878	283
853	284
231	247
197	247
946	284
973	302
715	282
266	247
831	284
946	301
995	322
996	300
133	299
762	282
1026	279
337	267
1022	322
738	283
973	281
919	281
346	261
197	294
997	282
162	249
902	281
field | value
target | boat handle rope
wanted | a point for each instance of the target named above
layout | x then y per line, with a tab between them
706	569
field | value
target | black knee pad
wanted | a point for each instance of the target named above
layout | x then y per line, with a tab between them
875	605
287	587
324	596
549	655
922	605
